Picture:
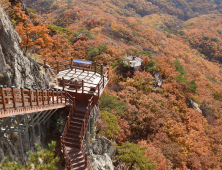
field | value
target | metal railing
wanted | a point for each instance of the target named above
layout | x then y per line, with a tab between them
27	97
68	64
89	109
81	136
71	103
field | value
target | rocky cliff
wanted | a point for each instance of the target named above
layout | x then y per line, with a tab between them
100	149
20	70
17	68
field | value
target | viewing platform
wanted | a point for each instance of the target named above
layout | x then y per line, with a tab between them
80	76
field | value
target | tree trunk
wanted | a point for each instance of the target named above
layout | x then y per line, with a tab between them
131	166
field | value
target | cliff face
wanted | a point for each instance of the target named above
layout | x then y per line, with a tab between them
17	68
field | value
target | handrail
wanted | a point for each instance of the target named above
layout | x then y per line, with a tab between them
84	127
15	98
100	85
71	103
96	68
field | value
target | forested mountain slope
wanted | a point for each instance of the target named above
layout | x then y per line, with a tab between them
183	9
174	40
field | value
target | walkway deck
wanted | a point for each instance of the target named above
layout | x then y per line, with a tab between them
91	81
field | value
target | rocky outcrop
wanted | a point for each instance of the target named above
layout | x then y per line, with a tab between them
158	79
101	162
195	106
17	68
100	149
101	153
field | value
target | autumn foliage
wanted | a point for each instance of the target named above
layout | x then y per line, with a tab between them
174	40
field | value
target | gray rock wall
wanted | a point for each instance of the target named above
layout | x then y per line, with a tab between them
20	70
16	68
100	149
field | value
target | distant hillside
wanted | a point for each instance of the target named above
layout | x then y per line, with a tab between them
183	9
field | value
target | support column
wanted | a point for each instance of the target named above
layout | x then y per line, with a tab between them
27	131
93	124
0	129
88	134
39	130
20	139
33	131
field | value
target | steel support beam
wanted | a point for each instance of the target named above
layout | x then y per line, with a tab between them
49	116
20	139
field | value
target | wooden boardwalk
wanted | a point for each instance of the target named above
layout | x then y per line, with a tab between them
15	101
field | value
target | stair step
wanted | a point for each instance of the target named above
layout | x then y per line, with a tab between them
80	168
79	111
77	131
75	151
72	140
71	144
77	158
75	155
76	121
80	163
75	126
73	135
77	118
73	131
79	114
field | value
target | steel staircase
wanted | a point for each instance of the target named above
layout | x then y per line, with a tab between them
72	145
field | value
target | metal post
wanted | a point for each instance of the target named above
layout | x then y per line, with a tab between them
98	89
20	138
33	131
95	67
82	86
14	96
27	131
108	73
63	83
71	63
101	69
103	81
93	123
0	128
23	98
3	98
89	133
57	67
37	96
76	86
39	129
